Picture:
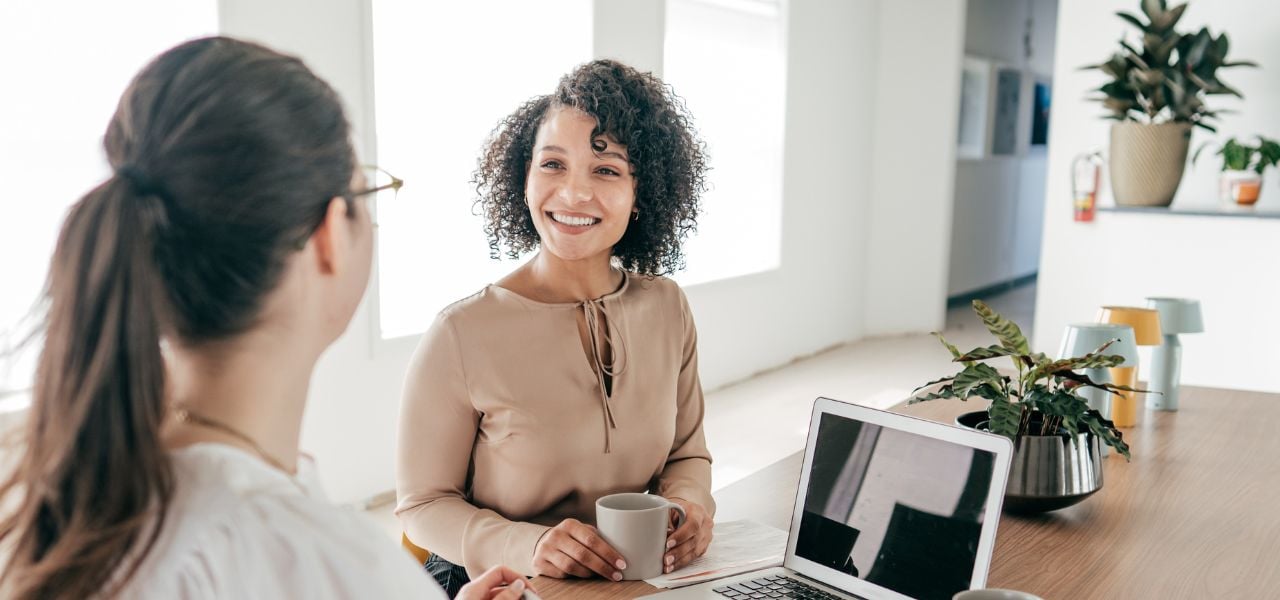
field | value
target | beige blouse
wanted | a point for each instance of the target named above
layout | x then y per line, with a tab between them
505	431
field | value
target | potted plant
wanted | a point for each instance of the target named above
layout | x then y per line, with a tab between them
1242	168
1056	436
1156	94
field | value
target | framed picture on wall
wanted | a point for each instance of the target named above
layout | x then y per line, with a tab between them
975	92
1007	109
1041	95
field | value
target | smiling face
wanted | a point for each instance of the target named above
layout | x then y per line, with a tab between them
580	189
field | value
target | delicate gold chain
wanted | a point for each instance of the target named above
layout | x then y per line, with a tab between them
184	415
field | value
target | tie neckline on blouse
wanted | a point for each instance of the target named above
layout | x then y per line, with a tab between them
593	310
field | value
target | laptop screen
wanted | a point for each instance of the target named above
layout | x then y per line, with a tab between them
900	510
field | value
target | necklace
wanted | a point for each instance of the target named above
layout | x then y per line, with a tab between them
184	415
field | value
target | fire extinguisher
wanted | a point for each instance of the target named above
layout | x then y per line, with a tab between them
1086	175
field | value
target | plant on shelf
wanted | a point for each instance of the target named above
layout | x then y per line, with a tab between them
1041	399
1245	157
1242	167
1167	78
1156	92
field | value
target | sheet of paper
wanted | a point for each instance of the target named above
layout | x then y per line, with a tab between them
736	547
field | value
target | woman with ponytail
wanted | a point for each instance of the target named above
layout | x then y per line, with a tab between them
189	298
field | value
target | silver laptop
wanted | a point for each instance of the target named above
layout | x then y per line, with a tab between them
888	506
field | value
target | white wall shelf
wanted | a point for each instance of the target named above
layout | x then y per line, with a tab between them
1223	210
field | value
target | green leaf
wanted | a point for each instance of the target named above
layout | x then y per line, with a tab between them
984	354
1132	20
955	352
1039	399
1224	89
1268	154
1092	360
1088	361
944	393
1113	388
1164	49
1096	361
1173	15
1083	380
1235	156
1198	48
1135	58
1106	431
974	376
990	392
1006	417
1152	8
933	383
1072	409
1004	330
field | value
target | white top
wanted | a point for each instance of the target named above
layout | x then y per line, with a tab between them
238	528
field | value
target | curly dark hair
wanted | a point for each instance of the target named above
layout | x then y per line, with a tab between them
637	110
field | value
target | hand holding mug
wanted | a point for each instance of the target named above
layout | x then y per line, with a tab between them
691	539
575	549
638	525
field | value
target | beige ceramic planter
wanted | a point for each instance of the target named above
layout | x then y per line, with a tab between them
1147	162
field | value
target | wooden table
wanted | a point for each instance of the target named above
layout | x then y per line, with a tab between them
1195	515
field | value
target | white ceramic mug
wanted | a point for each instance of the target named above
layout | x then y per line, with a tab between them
636	526
994	594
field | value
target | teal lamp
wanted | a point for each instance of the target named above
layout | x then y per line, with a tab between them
1177	316
1083	338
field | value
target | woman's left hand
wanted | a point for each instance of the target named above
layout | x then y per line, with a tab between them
689	541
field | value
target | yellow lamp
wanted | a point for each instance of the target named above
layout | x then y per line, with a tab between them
1146	331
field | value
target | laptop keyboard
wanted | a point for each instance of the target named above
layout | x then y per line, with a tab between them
772	588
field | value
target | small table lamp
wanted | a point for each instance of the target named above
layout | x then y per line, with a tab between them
1146	331
1082	338
1177	315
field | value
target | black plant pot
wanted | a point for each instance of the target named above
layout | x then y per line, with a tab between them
1048	472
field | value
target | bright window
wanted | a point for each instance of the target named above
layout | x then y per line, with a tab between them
727	59
65	65
445	74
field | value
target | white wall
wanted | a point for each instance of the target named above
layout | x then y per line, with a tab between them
630	32
999	200
1228	263
848	150
917	90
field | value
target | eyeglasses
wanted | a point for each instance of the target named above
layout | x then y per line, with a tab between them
378	181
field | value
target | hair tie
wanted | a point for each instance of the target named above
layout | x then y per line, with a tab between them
142	184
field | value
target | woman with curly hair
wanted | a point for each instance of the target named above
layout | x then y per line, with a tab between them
575	376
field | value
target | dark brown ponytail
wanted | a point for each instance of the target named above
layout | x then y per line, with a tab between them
226	155
100	385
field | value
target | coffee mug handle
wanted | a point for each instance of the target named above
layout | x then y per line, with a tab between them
679	509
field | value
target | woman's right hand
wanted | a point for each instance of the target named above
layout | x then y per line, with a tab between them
576	549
